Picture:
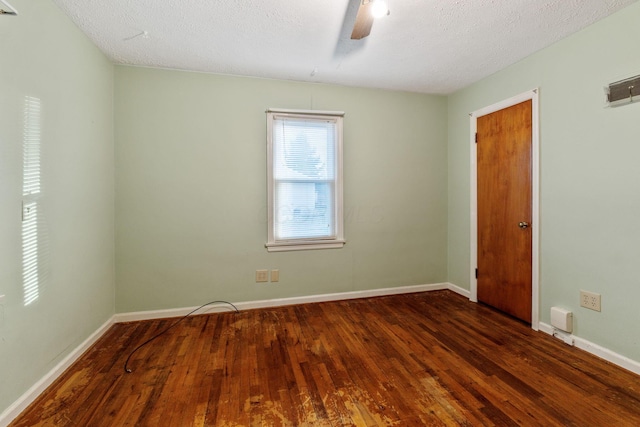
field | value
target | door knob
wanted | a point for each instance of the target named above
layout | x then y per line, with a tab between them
523	225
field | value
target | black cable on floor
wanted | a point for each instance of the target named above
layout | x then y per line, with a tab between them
128	370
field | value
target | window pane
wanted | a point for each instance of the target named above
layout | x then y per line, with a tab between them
304	210
304	149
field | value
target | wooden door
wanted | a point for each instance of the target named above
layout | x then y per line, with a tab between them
504	210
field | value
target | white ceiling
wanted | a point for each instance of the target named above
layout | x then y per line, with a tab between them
428	46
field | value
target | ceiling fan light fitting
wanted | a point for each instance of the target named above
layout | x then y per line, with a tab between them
379	8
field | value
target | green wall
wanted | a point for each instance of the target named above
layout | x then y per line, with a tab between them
45	57
191	190
590	179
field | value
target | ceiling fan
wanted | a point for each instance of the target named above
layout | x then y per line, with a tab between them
367	12
9	9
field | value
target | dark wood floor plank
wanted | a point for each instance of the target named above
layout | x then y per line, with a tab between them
406	360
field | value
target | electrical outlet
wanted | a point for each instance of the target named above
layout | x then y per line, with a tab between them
590	300
275	275
262	276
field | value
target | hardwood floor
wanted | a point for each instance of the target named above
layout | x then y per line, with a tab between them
407	360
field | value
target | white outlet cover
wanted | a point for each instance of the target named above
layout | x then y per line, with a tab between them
262	276
590	300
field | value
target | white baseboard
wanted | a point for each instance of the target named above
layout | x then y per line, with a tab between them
30	395
458	290
279	302
597	350
546	328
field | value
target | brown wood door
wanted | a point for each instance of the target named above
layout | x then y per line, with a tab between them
504	210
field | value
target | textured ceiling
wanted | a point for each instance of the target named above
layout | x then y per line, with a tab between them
429	46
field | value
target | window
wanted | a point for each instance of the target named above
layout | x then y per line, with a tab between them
31	191
304	152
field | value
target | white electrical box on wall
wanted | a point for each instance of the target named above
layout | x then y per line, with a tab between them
561	319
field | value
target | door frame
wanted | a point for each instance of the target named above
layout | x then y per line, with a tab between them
535	195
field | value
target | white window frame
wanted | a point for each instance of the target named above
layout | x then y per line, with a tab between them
336	242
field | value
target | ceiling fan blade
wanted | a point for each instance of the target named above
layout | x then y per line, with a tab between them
364	21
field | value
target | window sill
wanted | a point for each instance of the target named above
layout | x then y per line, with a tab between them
304	246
